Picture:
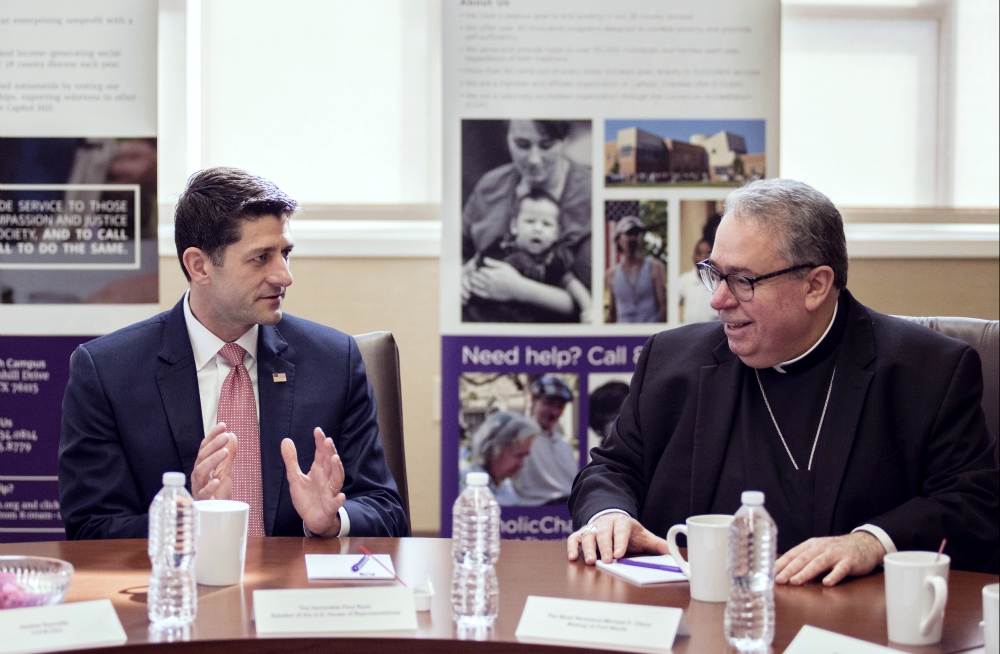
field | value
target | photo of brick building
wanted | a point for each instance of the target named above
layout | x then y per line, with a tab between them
654	154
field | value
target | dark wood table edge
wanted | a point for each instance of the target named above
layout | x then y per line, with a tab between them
376	644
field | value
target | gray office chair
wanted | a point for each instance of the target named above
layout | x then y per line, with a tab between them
983	336
381	357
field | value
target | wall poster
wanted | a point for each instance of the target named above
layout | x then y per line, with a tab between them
78	219
587	149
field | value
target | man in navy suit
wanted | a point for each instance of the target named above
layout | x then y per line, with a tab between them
146	399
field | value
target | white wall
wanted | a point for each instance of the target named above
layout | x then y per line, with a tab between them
884	103
977	106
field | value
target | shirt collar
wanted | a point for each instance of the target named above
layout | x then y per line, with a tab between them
554	186
206	345
781	366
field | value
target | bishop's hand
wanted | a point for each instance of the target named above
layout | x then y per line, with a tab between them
612	536
851	555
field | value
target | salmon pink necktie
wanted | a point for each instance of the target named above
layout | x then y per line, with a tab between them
238	409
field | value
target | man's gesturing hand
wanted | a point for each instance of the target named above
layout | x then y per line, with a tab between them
613	535
854	554
212	476
316	496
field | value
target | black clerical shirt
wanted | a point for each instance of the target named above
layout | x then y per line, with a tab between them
755	457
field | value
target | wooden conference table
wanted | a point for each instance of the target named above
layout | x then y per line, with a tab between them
119	570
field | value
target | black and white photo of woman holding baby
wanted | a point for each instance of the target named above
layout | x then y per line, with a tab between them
526	212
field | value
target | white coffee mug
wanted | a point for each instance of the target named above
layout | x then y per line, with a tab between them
708	547
916	591
991	618
221	545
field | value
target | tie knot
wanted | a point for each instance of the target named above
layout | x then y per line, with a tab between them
233	353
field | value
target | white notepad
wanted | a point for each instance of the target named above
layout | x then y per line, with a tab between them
643	576
338	566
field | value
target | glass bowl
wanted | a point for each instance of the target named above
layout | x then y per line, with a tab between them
33	581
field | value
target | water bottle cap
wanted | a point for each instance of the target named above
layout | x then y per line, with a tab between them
173	478
477	479
753	498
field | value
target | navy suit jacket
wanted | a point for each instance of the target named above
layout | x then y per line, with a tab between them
904	447
132	411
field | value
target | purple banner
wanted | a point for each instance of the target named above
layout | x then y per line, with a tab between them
34	371
527	410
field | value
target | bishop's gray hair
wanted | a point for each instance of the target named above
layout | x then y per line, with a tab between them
811	228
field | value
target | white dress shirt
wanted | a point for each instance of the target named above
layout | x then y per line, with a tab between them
212	372
875	531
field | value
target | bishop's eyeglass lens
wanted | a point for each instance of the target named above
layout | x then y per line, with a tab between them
709	275
740	286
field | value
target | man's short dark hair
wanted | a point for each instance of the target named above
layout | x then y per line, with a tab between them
811	226
212	208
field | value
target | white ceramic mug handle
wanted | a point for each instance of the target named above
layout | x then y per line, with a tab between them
676	553
937	608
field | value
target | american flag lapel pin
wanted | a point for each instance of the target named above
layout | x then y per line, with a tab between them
278	377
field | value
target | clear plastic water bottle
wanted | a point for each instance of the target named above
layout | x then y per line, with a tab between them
173	594
475	549
753	537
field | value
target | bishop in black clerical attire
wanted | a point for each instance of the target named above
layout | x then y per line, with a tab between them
864	431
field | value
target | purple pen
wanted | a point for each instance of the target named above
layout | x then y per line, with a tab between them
651	566
360	564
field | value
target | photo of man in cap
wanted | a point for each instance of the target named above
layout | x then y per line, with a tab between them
549	470
637	283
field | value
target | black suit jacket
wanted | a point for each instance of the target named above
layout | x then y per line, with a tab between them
904	446
132	411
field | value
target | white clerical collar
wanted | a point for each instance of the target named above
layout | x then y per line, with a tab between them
781	366
206	345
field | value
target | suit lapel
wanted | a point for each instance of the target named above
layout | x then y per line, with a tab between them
177	380
843	414
275	414
718	392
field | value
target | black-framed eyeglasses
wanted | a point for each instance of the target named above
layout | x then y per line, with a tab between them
740	285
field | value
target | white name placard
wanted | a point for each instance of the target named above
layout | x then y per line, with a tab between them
64	626
812	640
326	610
602	625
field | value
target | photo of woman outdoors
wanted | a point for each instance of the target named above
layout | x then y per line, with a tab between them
526	194
636	261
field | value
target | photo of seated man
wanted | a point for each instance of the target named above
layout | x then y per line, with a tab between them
532	247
